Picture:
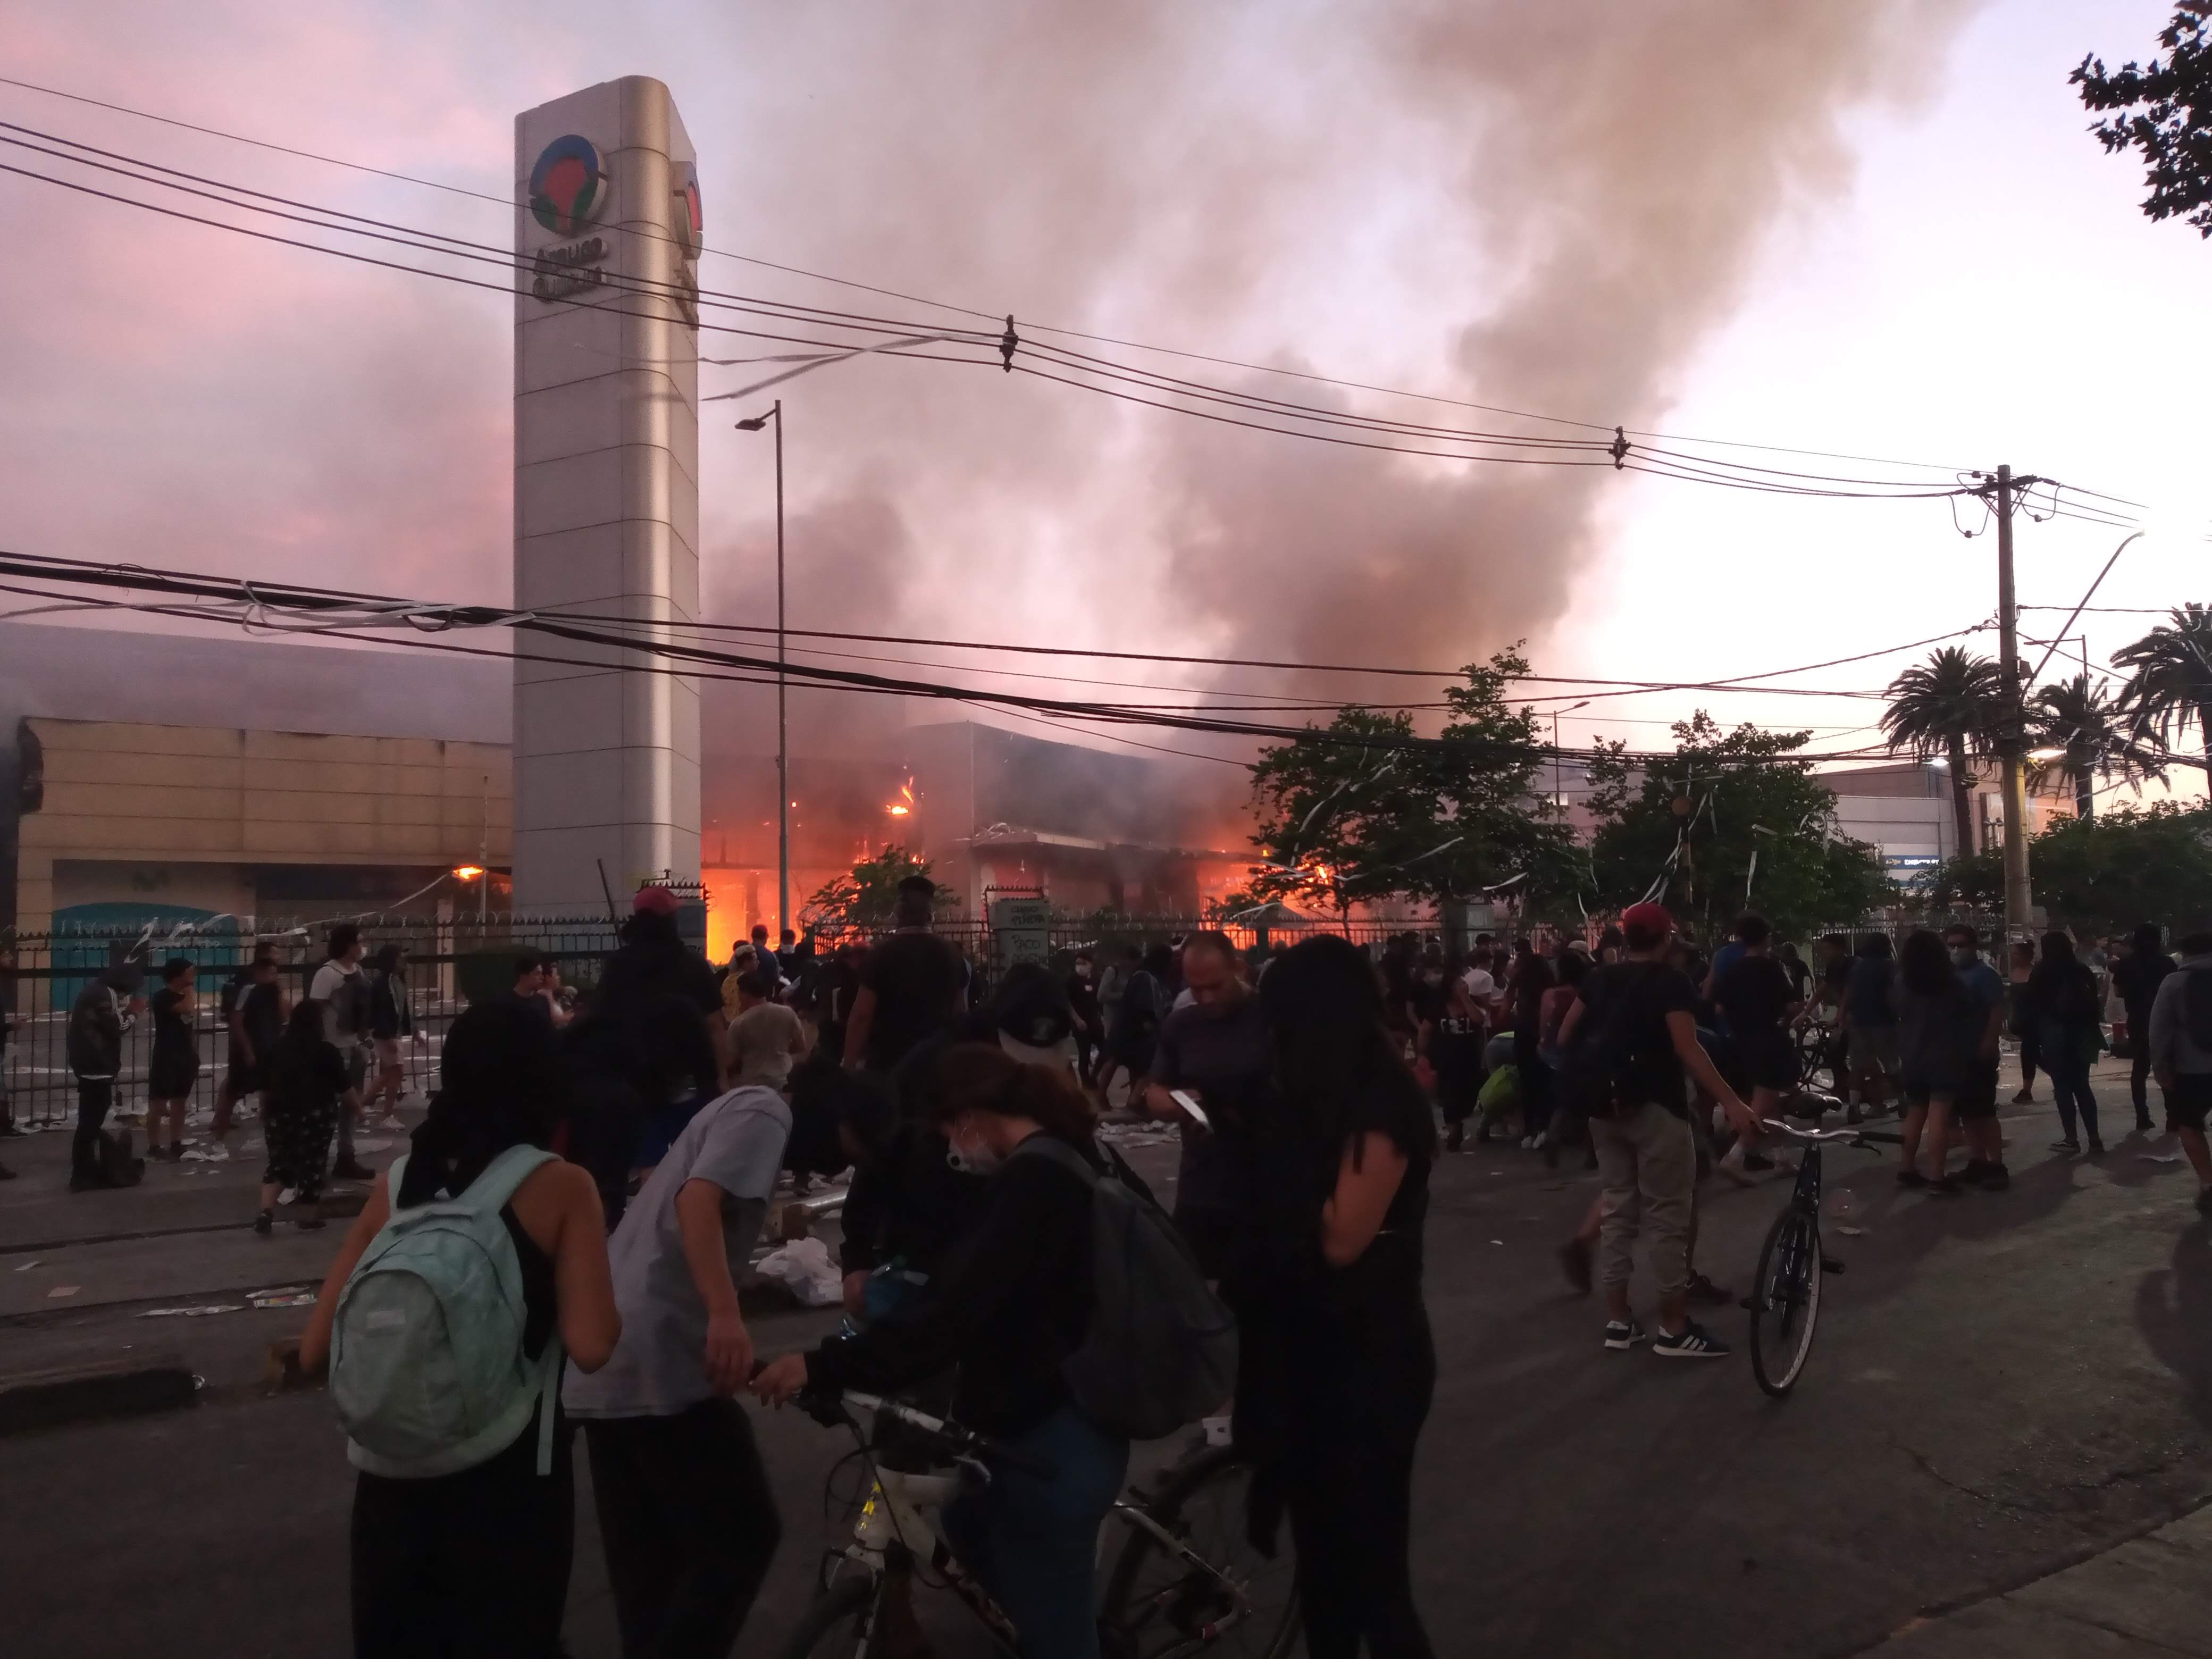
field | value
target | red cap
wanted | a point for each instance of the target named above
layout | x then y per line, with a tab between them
654	902
1647	917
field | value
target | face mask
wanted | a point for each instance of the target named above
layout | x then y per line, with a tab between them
1432	979
981	1161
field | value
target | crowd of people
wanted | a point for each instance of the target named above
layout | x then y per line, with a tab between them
561	1243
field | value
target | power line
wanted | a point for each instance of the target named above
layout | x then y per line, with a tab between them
507	204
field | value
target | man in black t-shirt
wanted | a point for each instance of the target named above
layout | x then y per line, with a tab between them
1756	998
1632	1032
1214	1050
912	985
2137	976
253	1015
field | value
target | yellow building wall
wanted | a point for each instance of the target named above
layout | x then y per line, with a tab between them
123	792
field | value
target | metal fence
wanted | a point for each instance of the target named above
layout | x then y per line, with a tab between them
447	963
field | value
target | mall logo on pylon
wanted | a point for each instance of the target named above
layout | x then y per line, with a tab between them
691	219
567	186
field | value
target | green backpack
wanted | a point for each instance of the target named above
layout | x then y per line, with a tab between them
426	1367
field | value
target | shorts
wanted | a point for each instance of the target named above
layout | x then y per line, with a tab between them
387	1051
1978	1098
1768	1060
1873	1048
2188	1101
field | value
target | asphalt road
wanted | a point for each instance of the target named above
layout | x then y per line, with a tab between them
2003	1383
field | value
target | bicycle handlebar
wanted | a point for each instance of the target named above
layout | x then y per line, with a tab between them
1857	1134
967	1442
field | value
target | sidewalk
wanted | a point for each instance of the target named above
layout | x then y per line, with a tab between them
2150	1598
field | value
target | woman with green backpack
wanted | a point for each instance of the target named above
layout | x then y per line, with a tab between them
479	1265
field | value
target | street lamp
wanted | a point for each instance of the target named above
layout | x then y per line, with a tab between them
782	730
1558	790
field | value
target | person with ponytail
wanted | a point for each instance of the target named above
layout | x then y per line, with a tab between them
1338	1366
1014	1303
476	1561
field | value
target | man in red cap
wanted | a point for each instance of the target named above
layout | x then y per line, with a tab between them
1632	1034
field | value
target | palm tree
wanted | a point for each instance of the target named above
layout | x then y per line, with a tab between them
1951	706
2172	682
2078	730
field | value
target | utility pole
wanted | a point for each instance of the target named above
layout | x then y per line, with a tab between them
782	728
2019	900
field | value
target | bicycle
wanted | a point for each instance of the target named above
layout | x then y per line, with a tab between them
1785	1303
1167	1598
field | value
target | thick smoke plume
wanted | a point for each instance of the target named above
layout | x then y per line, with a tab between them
1549	207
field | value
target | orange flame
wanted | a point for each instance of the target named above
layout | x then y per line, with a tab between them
904	805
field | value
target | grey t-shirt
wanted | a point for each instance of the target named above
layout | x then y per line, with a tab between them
660	1366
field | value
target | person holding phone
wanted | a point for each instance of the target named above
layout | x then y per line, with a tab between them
1210	1058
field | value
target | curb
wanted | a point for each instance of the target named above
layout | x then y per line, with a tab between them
111	1388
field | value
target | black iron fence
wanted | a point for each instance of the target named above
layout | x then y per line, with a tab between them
446	964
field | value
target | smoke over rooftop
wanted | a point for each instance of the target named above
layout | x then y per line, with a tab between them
1545	207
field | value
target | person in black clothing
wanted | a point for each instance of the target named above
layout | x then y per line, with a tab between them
1337	1366
1215	1050
2137	976
912	985
254	1014
1009	1313
1082	987
654	963
2026	1024
1532	977
93	1038
173	1066
2064	994
477	1562
309	1081
1801	977
1756	998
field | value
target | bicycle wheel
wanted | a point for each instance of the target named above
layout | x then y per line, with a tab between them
837	1623
1159	1605
1785	1301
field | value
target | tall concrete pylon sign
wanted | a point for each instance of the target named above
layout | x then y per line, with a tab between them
606	490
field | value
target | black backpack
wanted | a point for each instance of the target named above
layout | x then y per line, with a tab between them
1599	1068
1161	1351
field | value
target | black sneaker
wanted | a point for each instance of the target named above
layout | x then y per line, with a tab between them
351	1169
1692	1342
1455	1137
265	1222
1947	1186
2066	1148
1702	1289
1911	1178
1995	1178
1622	1335
2096	1147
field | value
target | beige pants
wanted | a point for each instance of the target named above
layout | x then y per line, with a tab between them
1649	1163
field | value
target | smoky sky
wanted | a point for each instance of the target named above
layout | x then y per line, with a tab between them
1550	207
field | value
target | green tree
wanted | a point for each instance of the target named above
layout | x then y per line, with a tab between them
2103	875
1373	812
866	895
1687	831
2170	678
2164	113
1953	707
1495	825
2078	732
1341	820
